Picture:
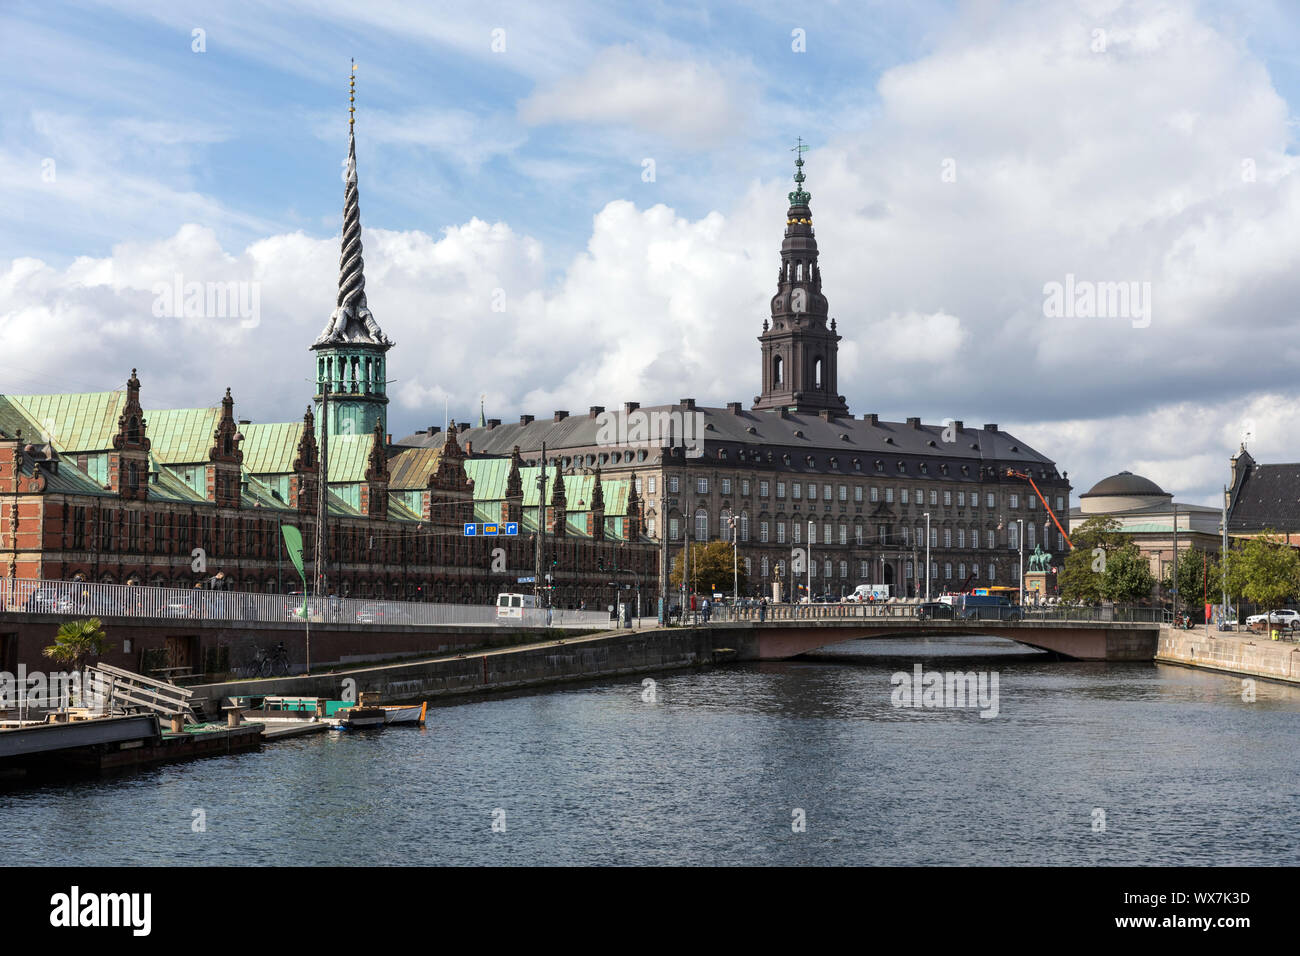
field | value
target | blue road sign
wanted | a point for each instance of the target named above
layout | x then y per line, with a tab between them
490	529
471	530
528	580
510	527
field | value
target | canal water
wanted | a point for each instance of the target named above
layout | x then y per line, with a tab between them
801	762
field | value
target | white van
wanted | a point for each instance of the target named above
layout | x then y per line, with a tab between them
877	593
510	607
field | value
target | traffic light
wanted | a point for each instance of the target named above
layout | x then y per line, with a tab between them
554	560
600	564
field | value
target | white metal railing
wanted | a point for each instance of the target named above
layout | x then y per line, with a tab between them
721	613
84	599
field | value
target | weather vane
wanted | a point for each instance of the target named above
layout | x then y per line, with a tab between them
799	196
352	93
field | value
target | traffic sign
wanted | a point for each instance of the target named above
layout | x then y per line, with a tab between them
510	527
490	529
528	580
471	529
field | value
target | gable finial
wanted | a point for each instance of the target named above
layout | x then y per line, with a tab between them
800	196
352	95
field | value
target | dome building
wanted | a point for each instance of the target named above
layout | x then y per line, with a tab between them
1149	514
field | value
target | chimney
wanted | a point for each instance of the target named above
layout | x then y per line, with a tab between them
595	410
434	429
687	403
733	407
825	414
990	428
469	448
630	407
871	418
525	419
958	424
388	439
561	416
462	426
914	422
494	422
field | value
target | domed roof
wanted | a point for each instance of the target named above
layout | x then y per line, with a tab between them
1125	483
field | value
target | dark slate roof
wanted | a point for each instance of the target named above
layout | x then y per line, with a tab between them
797	434
1267	496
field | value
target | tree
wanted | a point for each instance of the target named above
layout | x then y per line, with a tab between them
76	642
1198	576
1104	565
1082	576
1263	570
710	568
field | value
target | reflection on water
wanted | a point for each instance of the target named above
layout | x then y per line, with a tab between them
1186	771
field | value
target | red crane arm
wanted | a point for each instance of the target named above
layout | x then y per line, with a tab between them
1012	473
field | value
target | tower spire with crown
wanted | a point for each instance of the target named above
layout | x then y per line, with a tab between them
350	352
800	347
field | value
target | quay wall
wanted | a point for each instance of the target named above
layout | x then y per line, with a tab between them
216	646
568	658
1250	655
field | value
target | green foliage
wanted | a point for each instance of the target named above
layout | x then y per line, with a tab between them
1104	565
710	568
1196	570
1263	570
78	641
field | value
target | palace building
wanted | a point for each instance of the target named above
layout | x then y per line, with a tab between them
796	471
97	486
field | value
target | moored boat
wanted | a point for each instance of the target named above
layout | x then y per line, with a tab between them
404	713
351	718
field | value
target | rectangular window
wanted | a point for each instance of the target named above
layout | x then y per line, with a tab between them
797	533
762	533
827	531
961	539
992	542
638	484
1059	505
763	489
1015	501
903	495
826	568
947	571
947	498
857	534
844	492
744	487
875	494
844	534
844	569
726	486
857	493
826	492
947	537
780	532
652	484
990	501
934	496
934	537
672	484
796	491
889	496
961	499
780	490
905	536
674	531
701	485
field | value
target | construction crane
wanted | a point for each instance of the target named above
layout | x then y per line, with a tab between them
1012	473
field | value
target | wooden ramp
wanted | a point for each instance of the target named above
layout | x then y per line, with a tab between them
127	688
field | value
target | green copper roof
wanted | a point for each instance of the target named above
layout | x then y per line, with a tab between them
181	436
349	456
75	422
490	476
410	468
270	449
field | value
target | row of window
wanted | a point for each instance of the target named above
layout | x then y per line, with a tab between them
827	491
736	528
828	567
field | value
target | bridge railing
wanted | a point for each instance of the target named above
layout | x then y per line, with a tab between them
854	611
84	599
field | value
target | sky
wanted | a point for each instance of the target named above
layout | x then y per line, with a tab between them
581	204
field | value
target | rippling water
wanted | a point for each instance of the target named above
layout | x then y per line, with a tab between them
711	773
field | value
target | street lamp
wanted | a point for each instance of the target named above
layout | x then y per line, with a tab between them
811	532
927	557
1020	543
735	574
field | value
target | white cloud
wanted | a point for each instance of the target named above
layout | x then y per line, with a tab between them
685	101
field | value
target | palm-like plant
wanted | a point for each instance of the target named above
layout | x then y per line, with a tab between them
76	642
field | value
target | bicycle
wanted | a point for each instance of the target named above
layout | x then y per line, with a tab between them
274	662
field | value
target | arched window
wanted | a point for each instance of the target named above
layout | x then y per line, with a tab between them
724	525
777	370
701	525
744	526
817	373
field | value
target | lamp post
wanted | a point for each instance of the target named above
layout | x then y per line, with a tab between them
1174	573
811	526
927	557
735	573
1020	543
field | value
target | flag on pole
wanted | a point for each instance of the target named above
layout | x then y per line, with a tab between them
293	544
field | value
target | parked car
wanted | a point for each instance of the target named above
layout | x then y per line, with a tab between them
49	601
1286	617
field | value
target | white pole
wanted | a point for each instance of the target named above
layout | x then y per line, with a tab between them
927	557
810	562
1020	541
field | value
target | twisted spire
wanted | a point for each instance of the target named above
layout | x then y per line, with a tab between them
352	322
